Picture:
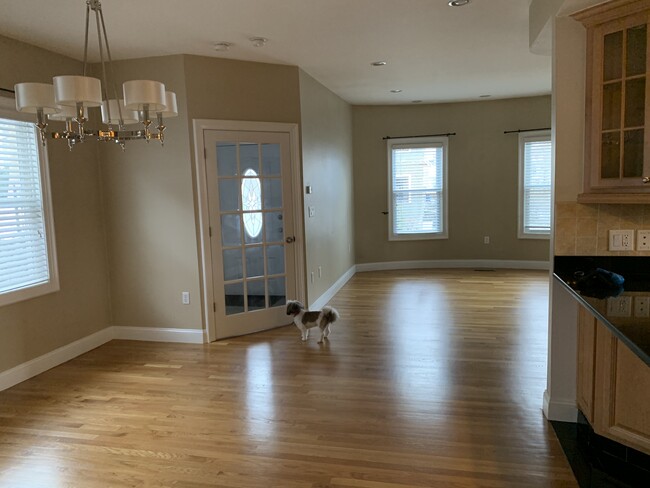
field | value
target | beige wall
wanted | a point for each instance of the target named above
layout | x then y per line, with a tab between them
483	182
226	89
150	204
149	212
327	168
34	327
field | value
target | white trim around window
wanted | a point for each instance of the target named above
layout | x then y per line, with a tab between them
39	217
535	185
417	188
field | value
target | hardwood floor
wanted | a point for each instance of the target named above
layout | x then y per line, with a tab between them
431	378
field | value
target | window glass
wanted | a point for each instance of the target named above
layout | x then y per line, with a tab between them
26	263
418	173
535	190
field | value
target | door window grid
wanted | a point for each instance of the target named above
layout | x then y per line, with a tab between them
244	286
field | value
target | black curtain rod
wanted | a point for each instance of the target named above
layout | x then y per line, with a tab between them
7	90
427	135
525	130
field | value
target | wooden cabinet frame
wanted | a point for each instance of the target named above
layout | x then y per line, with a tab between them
613	385
600	20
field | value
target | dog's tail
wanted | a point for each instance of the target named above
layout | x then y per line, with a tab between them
330	314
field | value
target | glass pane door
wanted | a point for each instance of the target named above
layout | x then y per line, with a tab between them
249	206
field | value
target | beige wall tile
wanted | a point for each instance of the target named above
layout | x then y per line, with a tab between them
587	227
587	246
587	211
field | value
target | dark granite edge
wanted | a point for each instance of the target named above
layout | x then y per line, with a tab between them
615	330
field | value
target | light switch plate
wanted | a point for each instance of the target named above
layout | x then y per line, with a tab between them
619	306
621	240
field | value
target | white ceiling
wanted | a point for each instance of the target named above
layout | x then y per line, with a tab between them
435	53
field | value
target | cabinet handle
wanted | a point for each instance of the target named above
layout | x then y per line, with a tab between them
646	179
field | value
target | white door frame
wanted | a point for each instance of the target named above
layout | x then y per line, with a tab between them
201	125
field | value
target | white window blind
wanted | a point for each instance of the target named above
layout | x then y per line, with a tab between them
535	192
23	243
417	190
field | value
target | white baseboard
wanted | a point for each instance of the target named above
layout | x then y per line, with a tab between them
54	358
65	353
560	410
158	334
322	300
453	263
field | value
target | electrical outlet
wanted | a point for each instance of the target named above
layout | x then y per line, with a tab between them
486	239
643	240
619	306
185	297
642	306
621	240
312	211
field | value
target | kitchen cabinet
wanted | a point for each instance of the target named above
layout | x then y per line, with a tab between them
617	124
585	368
613	385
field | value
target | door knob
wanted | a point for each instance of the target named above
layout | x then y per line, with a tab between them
289	240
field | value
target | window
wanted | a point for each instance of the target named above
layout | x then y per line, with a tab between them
535	175
251	197
27	263
417	175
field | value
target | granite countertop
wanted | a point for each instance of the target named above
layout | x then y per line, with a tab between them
625	310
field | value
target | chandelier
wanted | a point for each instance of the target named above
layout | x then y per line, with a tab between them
69	98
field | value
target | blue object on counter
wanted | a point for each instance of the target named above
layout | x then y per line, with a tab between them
598	283
610	277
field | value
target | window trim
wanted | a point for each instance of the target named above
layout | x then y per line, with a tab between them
538	135
8	111
419	142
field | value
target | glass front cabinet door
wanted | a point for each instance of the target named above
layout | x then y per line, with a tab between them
617	131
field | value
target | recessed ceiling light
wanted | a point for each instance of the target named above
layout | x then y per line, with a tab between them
222	46
416	101
458	3
485	96
378	63
396	91
259	41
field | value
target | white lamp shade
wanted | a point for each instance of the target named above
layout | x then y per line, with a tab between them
138	93
67	113
30	97
128	116
70	90
172	107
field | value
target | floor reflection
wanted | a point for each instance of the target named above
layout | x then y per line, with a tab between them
418	316
260	399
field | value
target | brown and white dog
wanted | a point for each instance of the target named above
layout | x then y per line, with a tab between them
305	320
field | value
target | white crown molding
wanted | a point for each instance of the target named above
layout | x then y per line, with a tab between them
453	263
39	365
158	334
54	358
322	300
559	409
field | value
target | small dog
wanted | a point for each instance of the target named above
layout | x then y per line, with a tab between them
305	320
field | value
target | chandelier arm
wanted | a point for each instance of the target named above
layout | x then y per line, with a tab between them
86	37
112	70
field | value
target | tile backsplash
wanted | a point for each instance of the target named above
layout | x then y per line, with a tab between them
583	230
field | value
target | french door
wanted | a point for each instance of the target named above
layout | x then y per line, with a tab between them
250	206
